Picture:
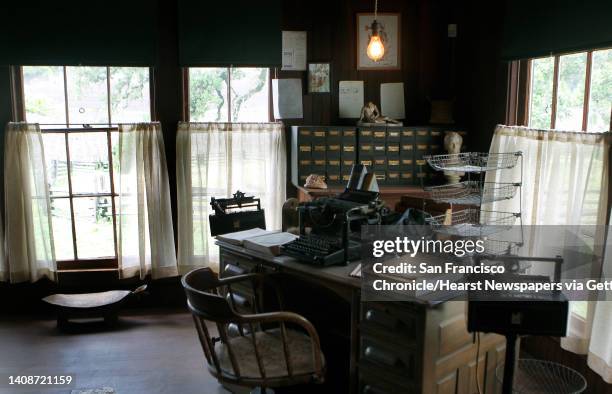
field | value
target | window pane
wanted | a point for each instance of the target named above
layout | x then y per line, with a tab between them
116	160
43	88
130	100
570	91
62	228
87	95
250	95
89	162
208	94
600	103
57	167
94	227
541	92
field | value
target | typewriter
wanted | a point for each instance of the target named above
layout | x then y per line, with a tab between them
238	213
335	225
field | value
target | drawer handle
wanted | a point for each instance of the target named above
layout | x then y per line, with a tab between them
239	300
381	356
233	270
381	319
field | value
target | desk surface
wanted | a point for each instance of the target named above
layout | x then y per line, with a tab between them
338	274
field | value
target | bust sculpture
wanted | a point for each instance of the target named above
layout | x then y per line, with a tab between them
452	145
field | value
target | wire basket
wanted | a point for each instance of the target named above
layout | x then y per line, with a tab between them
473	192
473	161
472	222
543	377
497	247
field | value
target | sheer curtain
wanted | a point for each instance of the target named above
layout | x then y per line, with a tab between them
216	160
145	239
565	182
29	237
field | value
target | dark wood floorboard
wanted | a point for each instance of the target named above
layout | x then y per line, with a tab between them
150	352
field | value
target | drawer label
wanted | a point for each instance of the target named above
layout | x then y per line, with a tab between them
305	148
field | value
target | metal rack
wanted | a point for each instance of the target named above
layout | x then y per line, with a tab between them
473	161
473	191
472	222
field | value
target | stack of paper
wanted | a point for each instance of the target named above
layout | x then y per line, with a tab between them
268	242
238	237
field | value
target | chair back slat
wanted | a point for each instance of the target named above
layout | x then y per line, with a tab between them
286	351
201	329
233	303
260	364
230	350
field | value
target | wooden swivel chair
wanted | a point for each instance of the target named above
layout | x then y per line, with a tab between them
265	350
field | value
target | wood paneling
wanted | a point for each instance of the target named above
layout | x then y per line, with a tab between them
426	53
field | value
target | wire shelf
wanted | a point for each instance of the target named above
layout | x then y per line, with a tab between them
473	161
543	377
500	248
473	192
472	222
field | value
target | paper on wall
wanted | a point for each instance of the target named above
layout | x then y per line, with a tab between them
392	100
287	98
350	99
294	50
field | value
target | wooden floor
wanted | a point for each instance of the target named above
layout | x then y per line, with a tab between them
146	353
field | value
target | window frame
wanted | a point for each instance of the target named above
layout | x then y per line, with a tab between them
19	114
518	106
186	96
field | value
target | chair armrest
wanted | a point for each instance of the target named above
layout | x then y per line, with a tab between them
290	317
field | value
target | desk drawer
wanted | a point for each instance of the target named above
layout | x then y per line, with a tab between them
395	323
377	382
380	354
232	265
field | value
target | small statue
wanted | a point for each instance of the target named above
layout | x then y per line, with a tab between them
370	115
452	145
315	181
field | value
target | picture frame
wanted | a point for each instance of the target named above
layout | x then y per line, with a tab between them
319	77
390	25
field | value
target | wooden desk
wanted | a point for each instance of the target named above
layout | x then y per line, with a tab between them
406	347
391	195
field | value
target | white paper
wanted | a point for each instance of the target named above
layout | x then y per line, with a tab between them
294	51
238	237
392	100
350	99
287	98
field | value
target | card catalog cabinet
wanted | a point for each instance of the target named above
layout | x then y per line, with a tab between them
395	154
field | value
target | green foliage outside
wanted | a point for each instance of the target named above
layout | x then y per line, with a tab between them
208	92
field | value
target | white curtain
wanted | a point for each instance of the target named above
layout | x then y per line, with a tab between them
216	160
29	236
565	182
145	239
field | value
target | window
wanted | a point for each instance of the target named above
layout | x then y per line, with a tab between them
77	108
571	92
228	94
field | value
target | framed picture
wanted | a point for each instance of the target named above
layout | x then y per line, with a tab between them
318	78
390	33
